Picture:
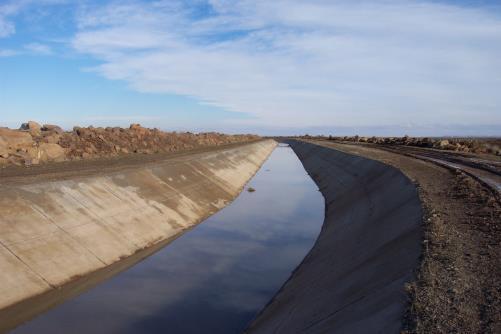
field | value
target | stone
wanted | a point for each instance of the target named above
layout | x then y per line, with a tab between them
33	127
51	138
51	152
443	143
15	139
4	148
32	153
52	128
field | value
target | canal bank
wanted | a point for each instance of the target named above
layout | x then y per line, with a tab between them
352	281
57	232
214	278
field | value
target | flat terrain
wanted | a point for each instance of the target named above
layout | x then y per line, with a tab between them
458	286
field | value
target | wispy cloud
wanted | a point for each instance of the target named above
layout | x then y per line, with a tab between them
8	9
127	118
307	63
291	63
8	53
38	48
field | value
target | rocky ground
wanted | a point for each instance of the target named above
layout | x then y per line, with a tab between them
34	144
458	285
474	145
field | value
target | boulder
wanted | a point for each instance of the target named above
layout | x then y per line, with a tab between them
52	128
33	127
443	143
32	156
139	130
51	152
4	153
4	148
15	139
51	137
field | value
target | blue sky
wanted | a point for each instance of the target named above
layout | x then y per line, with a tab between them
285	67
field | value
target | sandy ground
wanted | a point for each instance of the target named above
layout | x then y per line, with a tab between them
458	289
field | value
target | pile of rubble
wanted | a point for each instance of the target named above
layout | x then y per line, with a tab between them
33	144
452	144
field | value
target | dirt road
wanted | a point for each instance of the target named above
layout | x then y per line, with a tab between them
98	166
485	168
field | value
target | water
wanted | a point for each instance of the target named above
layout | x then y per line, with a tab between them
216	277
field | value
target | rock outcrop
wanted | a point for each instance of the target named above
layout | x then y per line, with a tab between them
33	127
33	144
474	145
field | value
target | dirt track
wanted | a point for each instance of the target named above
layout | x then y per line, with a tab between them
81	168
485	168
458	289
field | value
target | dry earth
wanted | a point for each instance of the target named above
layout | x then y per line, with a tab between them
458	289
34	144
490	146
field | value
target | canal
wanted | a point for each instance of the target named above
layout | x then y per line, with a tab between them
216	277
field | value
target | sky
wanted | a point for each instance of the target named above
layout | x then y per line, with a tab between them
281	67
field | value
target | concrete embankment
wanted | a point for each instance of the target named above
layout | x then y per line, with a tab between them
352	281
53	232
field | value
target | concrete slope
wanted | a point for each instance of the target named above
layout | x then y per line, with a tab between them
352	281
54	232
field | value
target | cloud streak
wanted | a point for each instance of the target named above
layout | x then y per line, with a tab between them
295	63
38	48
315	63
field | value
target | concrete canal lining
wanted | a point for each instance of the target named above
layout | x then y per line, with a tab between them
54	232
352	281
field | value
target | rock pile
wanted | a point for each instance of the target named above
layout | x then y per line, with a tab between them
452	144
33	144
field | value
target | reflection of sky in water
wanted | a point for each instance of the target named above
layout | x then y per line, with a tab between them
215	278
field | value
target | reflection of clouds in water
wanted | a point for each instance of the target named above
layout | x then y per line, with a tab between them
231	264
286	196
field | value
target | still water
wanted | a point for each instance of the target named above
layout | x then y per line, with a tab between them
216	277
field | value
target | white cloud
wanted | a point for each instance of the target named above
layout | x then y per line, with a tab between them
38	48
311	63
7	53
7	28
9	9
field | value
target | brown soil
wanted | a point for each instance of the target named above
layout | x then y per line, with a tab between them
34	144
458	289
490	146
99	165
